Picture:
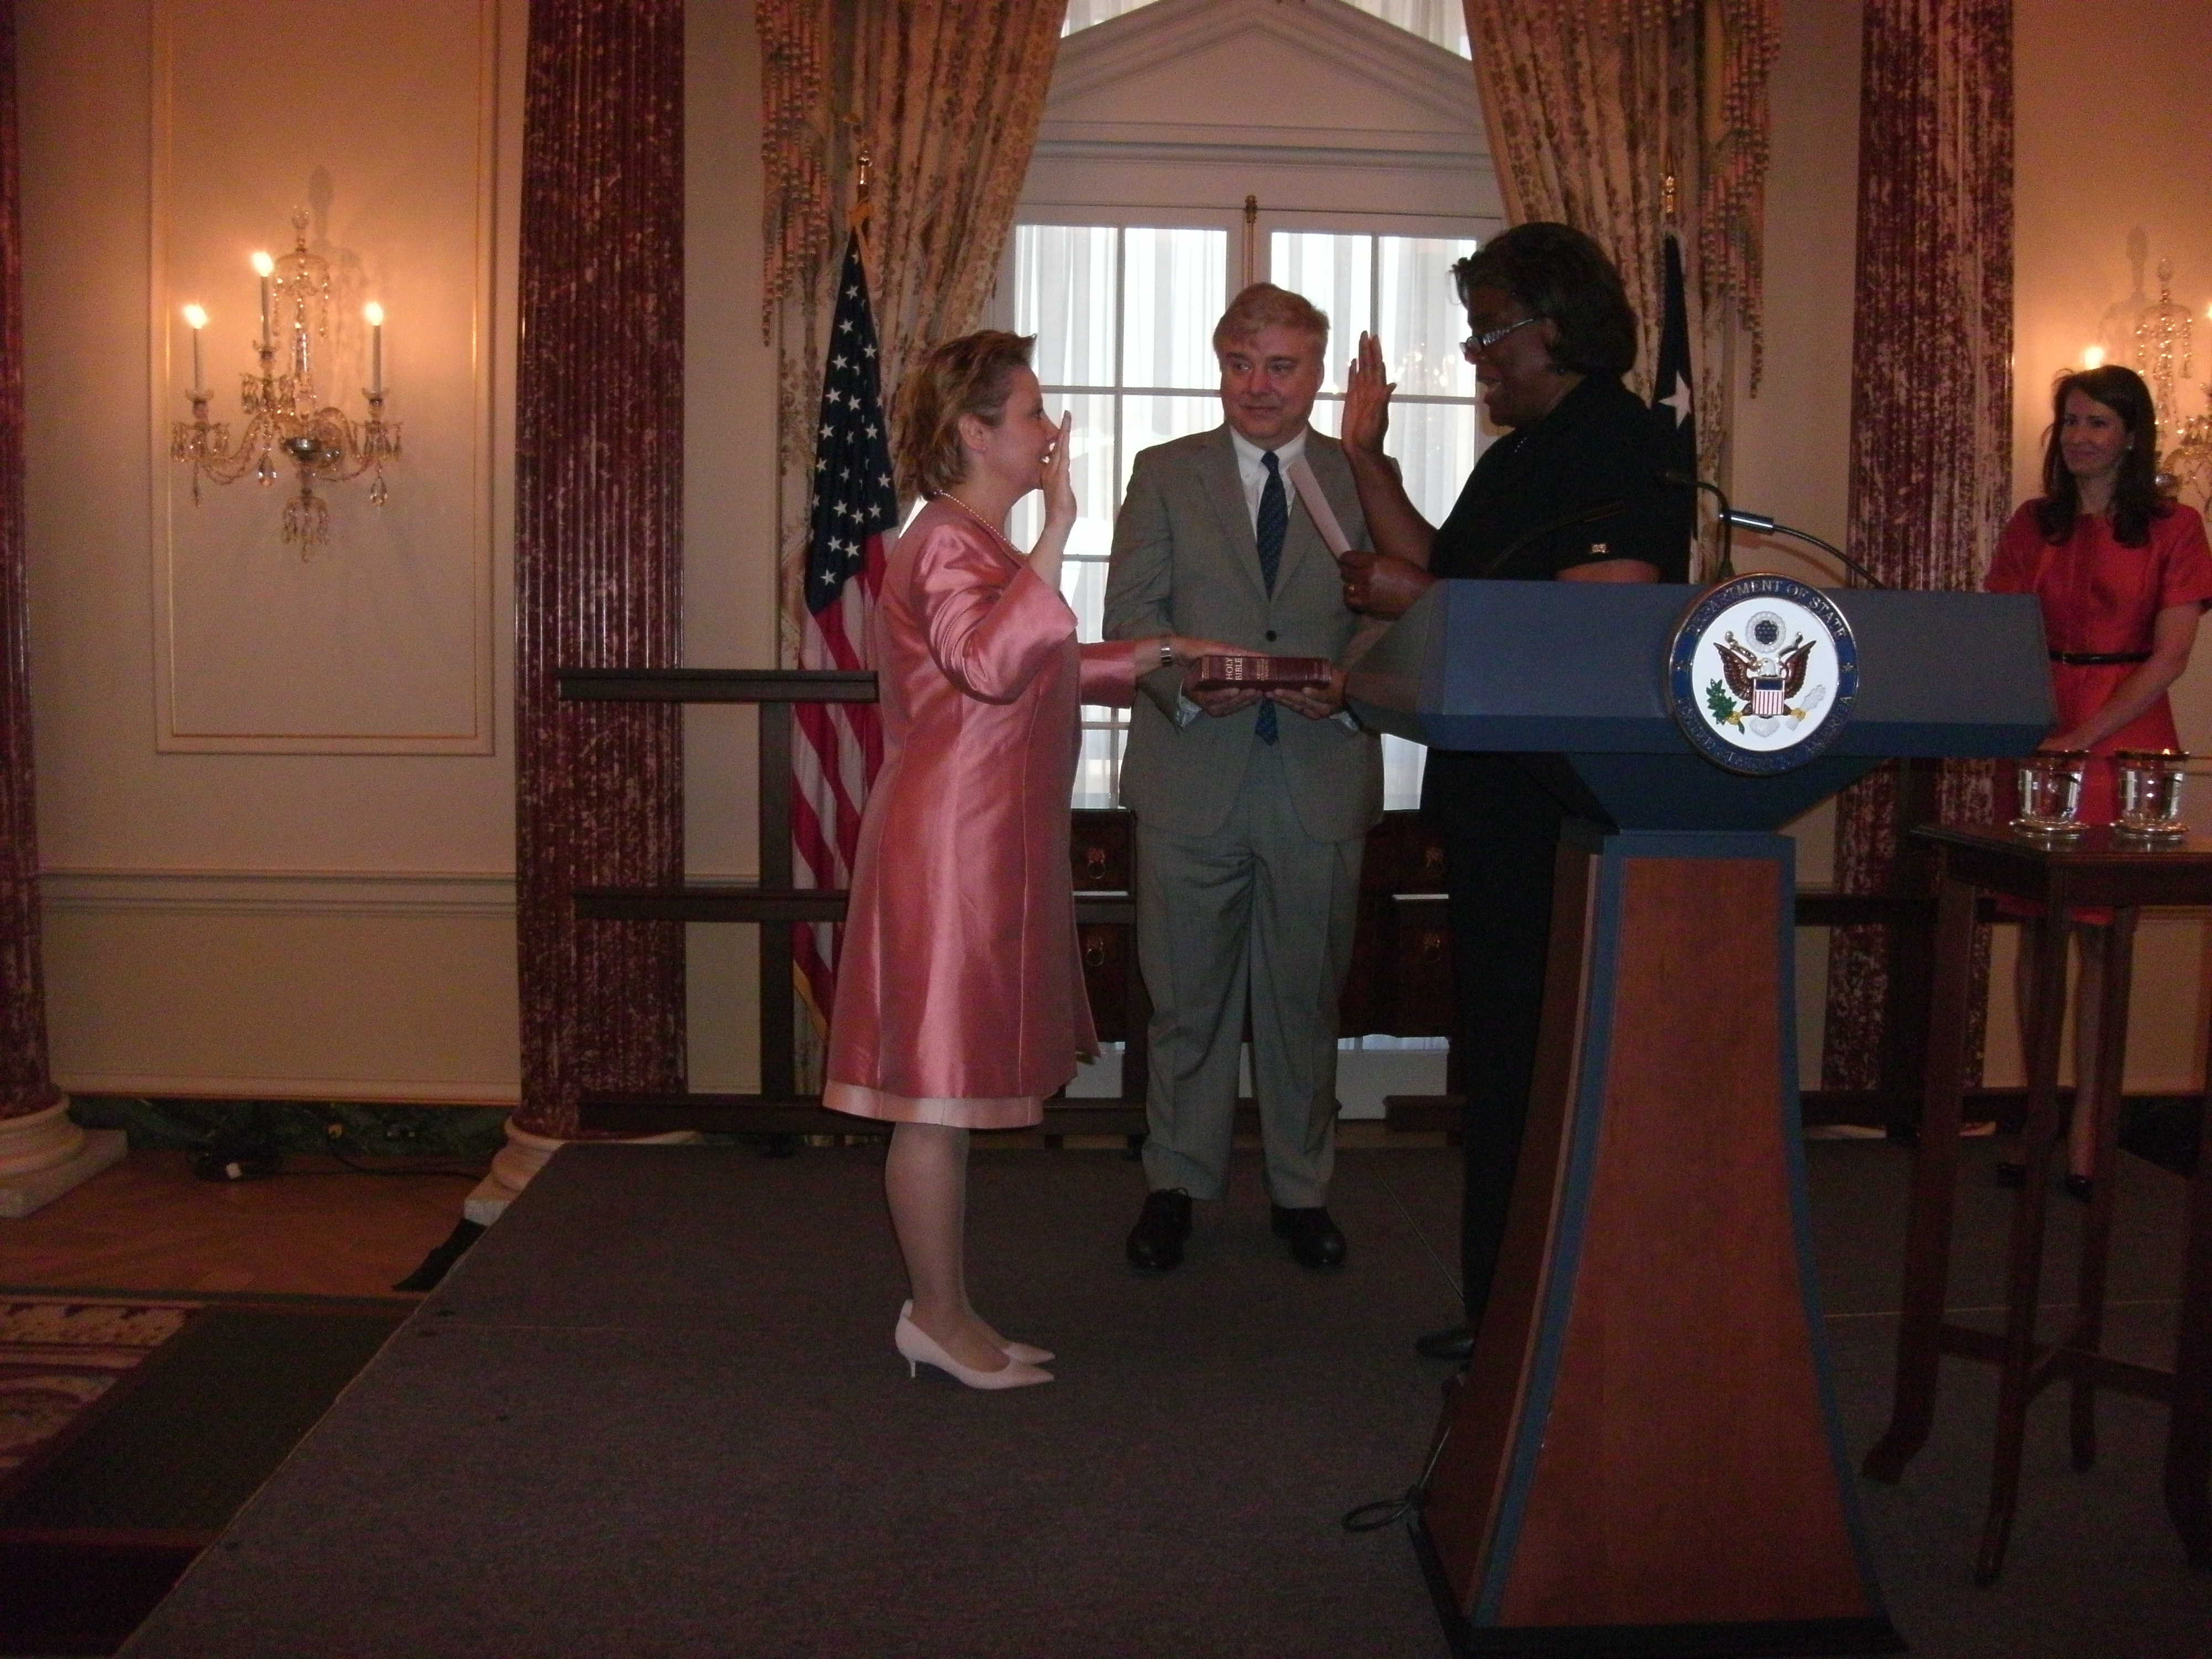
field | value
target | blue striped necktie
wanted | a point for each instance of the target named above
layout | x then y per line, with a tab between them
1275	523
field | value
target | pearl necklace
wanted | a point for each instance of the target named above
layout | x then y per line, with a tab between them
1001	535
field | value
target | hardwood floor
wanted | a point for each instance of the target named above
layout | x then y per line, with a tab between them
150	1225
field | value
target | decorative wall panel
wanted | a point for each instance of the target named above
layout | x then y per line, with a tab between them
378	122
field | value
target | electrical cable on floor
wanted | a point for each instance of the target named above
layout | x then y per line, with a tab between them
1373	1517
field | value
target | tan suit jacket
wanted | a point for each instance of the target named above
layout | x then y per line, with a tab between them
1186	562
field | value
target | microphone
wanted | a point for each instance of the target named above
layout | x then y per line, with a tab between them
1763	525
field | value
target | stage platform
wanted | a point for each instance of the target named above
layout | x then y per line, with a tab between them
656	1412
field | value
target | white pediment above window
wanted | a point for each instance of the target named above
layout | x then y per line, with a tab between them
1218	90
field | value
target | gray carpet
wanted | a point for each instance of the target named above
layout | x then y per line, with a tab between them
656	1412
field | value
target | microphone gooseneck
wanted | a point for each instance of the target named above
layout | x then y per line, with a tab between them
1764	526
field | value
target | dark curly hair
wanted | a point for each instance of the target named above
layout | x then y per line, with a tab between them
1556	271
2135	500
971	375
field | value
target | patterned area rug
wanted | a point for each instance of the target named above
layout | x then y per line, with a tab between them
60	1357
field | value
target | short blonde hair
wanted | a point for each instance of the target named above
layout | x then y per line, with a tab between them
1264	306
971	375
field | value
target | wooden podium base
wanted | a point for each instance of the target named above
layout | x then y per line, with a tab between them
1644	1456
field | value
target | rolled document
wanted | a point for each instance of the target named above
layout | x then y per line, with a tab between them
1317	507
1332	533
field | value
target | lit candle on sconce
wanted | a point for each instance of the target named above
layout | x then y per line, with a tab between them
2093	357
197	318
374	313
265	267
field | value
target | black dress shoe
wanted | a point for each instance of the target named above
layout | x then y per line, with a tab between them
2010	1174
1314	1241
2081	1186
1455	1343
1156	1242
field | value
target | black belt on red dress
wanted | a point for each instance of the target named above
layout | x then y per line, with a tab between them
2099	658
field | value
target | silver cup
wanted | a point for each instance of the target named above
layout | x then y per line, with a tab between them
2150	793
2051	795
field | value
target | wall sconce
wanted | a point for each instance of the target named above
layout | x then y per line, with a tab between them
284	415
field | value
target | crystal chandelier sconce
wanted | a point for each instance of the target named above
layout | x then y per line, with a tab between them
286	422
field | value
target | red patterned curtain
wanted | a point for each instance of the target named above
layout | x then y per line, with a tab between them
1591	107
25	1086
1931	406
598	544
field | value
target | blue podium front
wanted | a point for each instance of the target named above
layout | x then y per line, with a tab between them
1644	1456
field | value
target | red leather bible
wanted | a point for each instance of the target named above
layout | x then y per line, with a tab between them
1224	674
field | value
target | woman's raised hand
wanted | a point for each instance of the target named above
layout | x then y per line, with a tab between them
1366	400
1059	486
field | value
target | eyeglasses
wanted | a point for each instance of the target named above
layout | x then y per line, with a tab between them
1483	342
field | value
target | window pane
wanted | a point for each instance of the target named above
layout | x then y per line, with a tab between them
1064	295
1443	22
1421	320
1440	22
1176	282
1402	762
1083	13
1435	446
1336	273
1097	773
1149	421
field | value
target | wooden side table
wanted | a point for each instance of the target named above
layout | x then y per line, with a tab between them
2101	869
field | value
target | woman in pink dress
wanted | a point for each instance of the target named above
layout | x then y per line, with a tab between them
2123	576
960	996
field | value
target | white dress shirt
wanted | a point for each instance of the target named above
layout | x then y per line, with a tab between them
1253	470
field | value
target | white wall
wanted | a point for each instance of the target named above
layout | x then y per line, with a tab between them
319	923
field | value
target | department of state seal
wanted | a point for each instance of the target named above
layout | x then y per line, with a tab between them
1762	674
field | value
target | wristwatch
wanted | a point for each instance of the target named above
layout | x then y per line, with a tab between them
1167	651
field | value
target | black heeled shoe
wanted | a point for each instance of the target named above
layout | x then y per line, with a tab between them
2010	1174
2081	1186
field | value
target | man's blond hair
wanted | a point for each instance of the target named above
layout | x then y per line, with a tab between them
1264	306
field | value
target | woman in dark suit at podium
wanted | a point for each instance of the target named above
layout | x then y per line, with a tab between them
1550	334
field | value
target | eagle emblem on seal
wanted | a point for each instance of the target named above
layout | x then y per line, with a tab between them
1765	675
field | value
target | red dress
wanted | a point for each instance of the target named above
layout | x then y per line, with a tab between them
960	994
2099	598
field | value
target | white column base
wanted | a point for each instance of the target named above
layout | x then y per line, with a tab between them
515	1164
43	1155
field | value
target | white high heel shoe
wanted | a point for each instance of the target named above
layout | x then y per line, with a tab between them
1024	1351
917	1347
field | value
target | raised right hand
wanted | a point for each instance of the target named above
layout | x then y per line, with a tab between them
1366	400
1056	480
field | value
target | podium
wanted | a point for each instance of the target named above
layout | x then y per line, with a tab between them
1643	1456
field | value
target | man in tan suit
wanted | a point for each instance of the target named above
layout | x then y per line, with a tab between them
1251	810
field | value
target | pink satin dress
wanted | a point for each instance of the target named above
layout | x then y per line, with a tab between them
960	995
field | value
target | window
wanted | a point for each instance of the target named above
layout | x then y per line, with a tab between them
1440	22
1124	317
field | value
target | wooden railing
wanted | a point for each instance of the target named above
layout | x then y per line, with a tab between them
1400	984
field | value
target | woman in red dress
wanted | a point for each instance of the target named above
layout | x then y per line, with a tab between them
960	997
2123	576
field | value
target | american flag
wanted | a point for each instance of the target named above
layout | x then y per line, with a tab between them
855	519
